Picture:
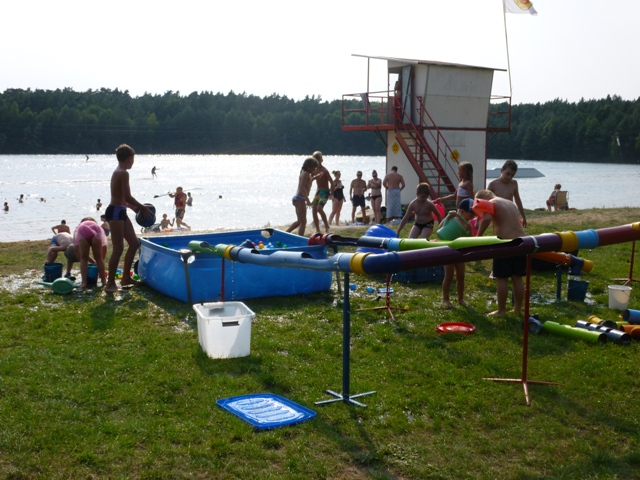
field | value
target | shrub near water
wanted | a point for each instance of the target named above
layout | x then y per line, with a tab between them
101	386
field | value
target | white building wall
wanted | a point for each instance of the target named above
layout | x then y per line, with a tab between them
455	97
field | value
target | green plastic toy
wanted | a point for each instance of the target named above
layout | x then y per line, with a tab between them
61	285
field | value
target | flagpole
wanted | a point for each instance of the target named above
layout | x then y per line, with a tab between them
506	39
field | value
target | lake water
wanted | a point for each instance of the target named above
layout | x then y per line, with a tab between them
243	191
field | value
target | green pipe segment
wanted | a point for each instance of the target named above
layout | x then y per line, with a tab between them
462	242
571	332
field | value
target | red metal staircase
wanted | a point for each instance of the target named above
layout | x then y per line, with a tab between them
427	150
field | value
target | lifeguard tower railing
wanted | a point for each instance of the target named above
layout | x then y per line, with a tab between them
424	145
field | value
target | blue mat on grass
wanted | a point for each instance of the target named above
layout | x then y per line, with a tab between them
266	410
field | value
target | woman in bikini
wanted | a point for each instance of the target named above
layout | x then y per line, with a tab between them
375	184
301	199
338	198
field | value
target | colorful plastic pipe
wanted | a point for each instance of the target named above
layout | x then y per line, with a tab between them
612	334
632	330
570	332
631	316
392	262
576	264
600	321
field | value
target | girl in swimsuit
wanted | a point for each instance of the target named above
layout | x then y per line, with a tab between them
89	238
465	187
301	199
338	198
375	184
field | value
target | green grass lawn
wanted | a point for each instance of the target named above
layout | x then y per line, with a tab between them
99	386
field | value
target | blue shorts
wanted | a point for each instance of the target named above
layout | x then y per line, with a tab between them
116	212
54	242
358	201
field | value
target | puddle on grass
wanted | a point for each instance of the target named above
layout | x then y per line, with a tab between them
15	282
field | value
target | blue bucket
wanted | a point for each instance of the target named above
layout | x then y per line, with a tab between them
577	290
52	272
92	274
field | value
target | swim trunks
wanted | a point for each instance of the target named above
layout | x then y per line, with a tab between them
180	213
70	254
358	201
116	212
506	267
422	226
321	197
54	242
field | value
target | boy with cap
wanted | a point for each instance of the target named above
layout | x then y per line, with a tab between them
455	225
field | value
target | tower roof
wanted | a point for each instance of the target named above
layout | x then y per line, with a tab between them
396	62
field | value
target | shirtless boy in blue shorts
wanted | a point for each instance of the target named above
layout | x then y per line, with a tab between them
121	226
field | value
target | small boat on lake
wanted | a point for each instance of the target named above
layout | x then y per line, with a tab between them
167	265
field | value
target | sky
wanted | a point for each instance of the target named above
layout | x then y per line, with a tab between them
572	49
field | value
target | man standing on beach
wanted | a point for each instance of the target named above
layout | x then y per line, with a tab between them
324	184
393	184
180	201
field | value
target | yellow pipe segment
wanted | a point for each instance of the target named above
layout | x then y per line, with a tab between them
569	241
356	263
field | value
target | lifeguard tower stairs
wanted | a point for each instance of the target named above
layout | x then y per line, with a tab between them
435	116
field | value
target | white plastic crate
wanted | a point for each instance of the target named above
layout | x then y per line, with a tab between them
224	329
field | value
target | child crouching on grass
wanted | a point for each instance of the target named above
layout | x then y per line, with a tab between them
455	225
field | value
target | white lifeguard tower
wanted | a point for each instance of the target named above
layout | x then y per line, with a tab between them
437	115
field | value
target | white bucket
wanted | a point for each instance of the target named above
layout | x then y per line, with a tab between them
619	297
224	329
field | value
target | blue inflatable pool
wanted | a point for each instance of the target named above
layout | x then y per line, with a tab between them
161	266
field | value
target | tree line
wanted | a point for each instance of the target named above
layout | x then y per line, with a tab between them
95	121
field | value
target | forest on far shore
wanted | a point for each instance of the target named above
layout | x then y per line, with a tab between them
96	121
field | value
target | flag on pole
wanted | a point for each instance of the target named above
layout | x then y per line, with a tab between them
519	6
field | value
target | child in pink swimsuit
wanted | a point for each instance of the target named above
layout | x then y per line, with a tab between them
89	237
